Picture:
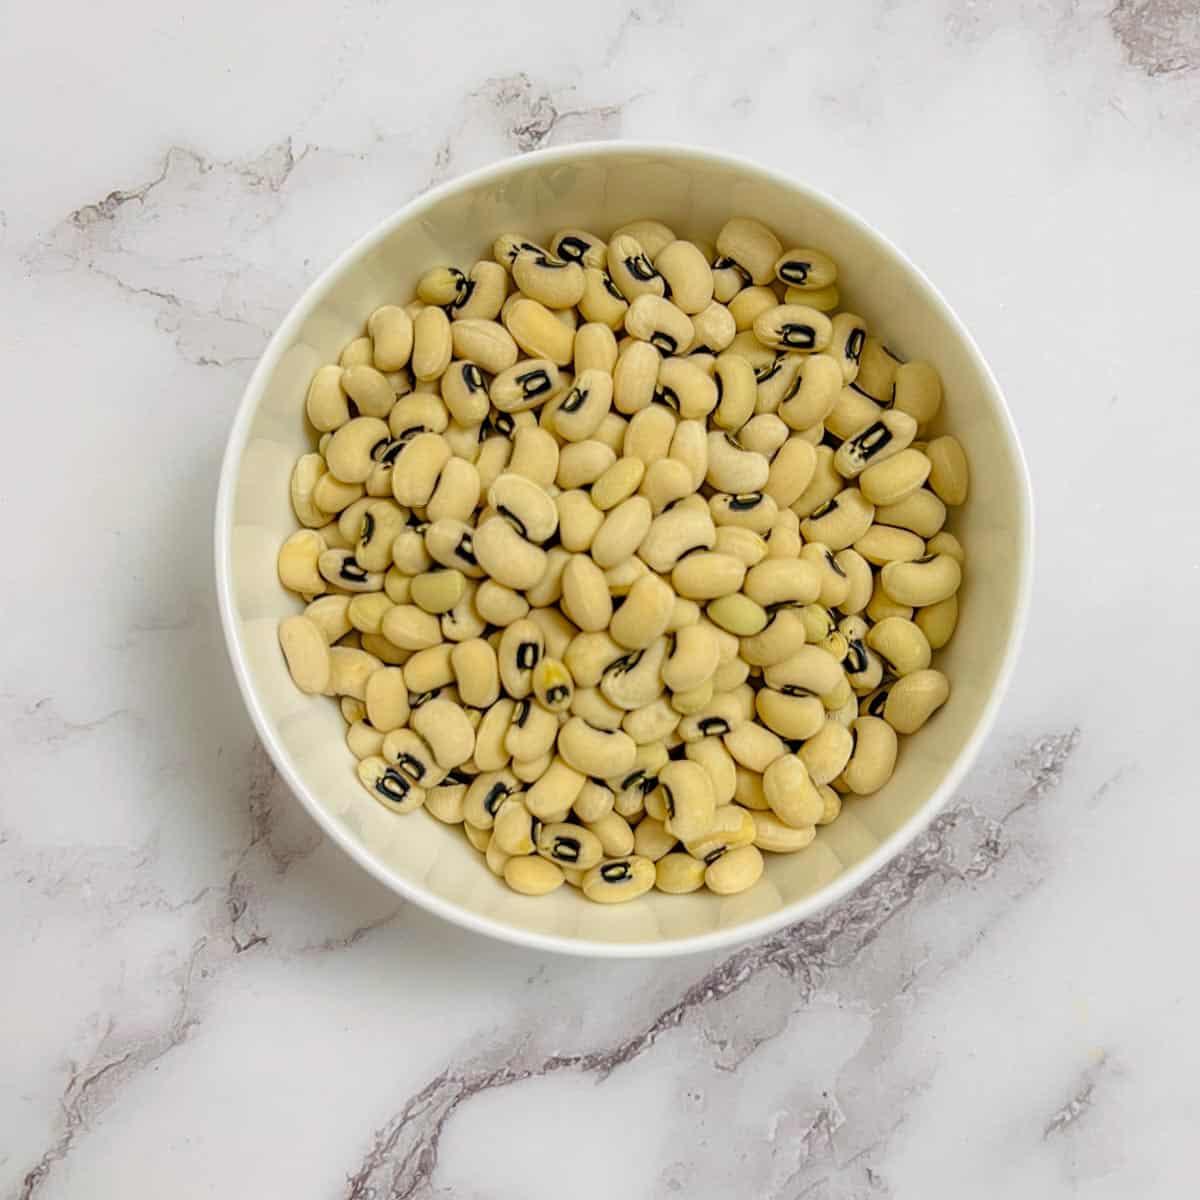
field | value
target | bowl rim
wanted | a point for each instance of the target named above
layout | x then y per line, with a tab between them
851	878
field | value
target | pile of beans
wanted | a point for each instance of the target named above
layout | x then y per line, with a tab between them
629	564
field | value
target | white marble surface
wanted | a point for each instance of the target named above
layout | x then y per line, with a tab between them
202	998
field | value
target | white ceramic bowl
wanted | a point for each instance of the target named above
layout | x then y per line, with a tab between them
600	186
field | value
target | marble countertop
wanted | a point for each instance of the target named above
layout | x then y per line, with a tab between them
204	998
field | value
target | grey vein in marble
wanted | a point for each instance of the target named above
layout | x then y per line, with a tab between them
961	847
1161	37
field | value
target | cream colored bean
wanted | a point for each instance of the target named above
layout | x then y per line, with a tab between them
445	802
737	614
419	412
615	881
381	524
689	445
463	621
735	871
687	799
622	530
486	343
532	876
911	701
491	752
824	484
687	274
635	679
389	786
774	835
485	796
585	596
882	544
937	621
706	575
553	685
579	520
732	468
736	389
901	644
784	540
525	505
652	235
631	270
877	371
596	709
384	650
751	510
548	589
649	434
306	474
782	637
531	732
341	568
791	471
874	758
713	329
602	302
917	391
351	521
778	382
891	481
791	717
645	614
386	698
367	610
506	556
499	605
665	481
466	441
412	757
441	286
522	646
922	582
685	389
535	455
881	439
679	873
728	278
780	581
753	746
428	671
618	483
307	654
525	385
537	331
552	281
513	827
614	832
732	827
582	463
793	327
947	543
557	632
411	628
814	394
675	536
839	522
826	753
730	675
824	299
921	513
331	615
369	389
589	656
457	492
881	605
351	450
432	344
476	672
744	544
447	541
846	341
584	405
653	722
749	303
686	703
579	246
806	269
948	470
595	348
752	246
349	670
326	403
667	328
810	670
418	467
481	295
593	751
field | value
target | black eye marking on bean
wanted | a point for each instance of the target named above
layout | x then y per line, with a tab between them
762	374
616	872
795	272
472	377
566	848
572	248
496	795
466	290
640	267
575	399
792	690
667	396
797	336
611	288
664	343
521	713
393	451
459	776
425	697
466	550
366	530
872	439
627	662
712	856
746	502
413	767
380	446
925	558
690	550
516	521
892	354
711	726
505	425
834	565
648	784
393	786
351	571
876	705
677	752
558	692
632	779
854	344
792	388
668	800
856	657
720	387
729	264
824	510
528	654
533	383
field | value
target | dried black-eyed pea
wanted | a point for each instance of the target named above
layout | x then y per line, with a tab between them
596	751
653	722
622	531
823	485
874	757
774	835
341	568
326	403
678	873
685	389
826	753
937	621
732	827
753	746
750	510
589	656
369	389
921	513
852	412
584	405
805	269
635	679
307	654
483	841
864	668
660	323
486	343
602	302
731	468
525	505
309	470
707	575
381	523
557	631
491	753
748	790
350	522
744	544
791	471
748	304
687	798
693	659
790	716
922	582
881	605
885	436
813	394
582	463
631	271
901	645
911	701
384	650
514	827
355	353
825	299
846	343
445	802
809	671
390	787
482	294
794	327
351	449
432	344
784	634
619	879
476	672
555	282
447	541
579	246
948	470
438	591
649	434
735	871
298	563
331	615
882	544
947	543
694	700
651	839
689	445
736	390
595	348
665	482
917	390
535	455
525	385
713	331
645	614
710	753
728	278
457	493
752	246
892	480
782	581
486	794
791	793
877	369
538	331
586	599
418	412
532	876
618	483
784	540
411	628
687	274
615	834
463	621
428	671
553	685
684	612
506	556
839	522
418	467
411	755
652	235
531	732
594	800
441	286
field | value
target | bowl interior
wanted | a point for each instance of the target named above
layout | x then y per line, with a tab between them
599	188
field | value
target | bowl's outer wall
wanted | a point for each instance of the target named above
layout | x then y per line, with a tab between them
599	188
